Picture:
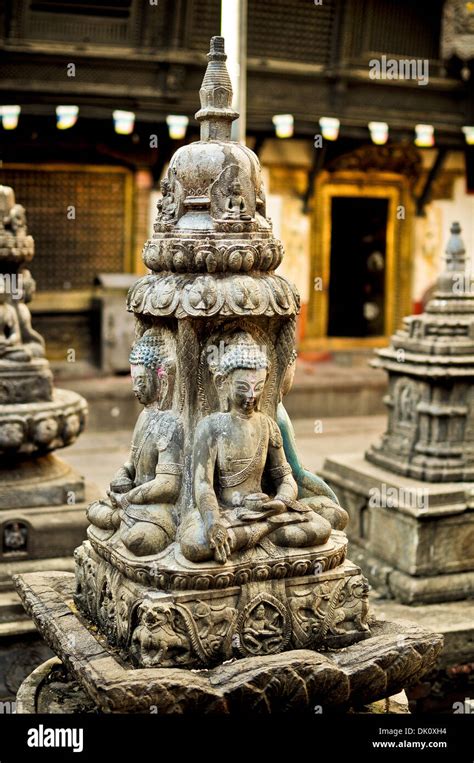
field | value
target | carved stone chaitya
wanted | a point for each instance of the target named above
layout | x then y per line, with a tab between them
205	544
213	543
430	364
41	497
47	419
411	497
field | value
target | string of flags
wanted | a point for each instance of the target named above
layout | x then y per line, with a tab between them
124	124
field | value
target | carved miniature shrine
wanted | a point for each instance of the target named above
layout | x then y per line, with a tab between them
214	548
420	544
41	497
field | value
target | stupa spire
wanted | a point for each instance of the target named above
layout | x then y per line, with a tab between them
216	113
450	280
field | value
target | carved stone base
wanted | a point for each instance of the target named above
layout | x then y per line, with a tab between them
201	621
22	382
414	540
33	428
395	656
170	570
43	481
28	535
51	689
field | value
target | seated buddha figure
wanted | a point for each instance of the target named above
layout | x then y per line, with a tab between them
10	330
234	453
235	207
143	492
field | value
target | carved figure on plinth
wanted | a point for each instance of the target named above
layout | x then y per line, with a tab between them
235	451
144	490
214	497
235	208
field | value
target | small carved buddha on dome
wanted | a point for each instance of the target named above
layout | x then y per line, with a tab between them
236	208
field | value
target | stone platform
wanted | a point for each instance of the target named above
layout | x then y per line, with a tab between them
52	531
44	533
414	540
295	680
43	481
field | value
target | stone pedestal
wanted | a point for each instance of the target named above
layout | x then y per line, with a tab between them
173	612
414	540
411	495
393	657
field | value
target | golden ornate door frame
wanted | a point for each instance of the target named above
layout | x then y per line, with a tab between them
383	185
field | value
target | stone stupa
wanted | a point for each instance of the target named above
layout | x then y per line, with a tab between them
411	495
42	499
215	575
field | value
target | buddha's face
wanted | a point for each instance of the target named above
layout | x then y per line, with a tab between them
145	384
245	389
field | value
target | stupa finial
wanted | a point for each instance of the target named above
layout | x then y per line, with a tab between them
216	114
451	279
455	250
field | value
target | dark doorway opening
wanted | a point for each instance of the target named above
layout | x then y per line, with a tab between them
357	266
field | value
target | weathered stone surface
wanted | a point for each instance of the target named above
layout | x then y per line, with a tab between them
457	36
19	655
430	364
291	681
48	689
214	541
43	481
41	498
452	619
413	539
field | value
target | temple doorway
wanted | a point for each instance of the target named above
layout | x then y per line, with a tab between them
360	260
357	267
